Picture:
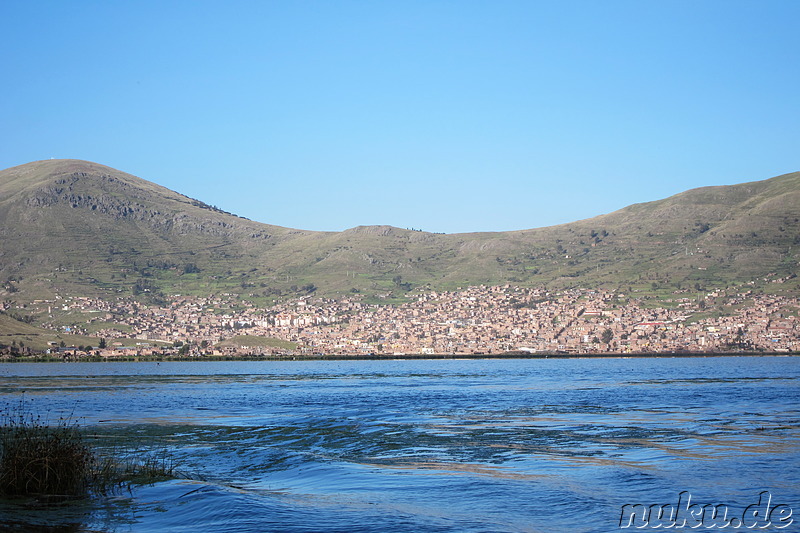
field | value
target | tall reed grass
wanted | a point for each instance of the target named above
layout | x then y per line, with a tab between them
39	458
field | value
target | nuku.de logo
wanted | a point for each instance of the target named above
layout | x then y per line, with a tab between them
685	514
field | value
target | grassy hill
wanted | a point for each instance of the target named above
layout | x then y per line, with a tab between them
72	227
18	333
82	228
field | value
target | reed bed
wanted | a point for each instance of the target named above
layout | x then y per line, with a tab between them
38	458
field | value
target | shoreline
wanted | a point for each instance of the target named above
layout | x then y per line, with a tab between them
381	357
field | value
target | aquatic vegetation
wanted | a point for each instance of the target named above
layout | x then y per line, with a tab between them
39	458
122	468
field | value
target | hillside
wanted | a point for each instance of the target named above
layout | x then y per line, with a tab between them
72	227
82	227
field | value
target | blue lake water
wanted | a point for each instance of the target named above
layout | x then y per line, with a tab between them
440	445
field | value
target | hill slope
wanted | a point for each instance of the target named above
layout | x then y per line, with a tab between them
74	227
80	226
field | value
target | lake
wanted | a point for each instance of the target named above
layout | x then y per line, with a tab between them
523	445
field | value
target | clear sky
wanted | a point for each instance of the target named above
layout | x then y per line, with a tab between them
445	116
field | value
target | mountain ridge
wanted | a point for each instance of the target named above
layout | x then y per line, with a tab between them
69	225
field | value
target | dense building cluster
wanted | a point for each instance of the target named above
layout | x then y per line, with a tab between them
473	320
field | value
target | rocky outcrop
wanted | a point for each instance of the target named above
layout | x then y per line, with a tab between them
113	198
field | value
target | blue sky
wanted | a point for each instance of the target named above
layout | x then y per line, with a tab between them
446	116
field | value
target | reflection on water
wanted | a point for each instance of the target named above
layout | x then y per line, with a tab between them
526	445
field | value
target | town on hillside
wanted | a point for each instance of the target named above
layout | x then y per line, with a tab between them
487	320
